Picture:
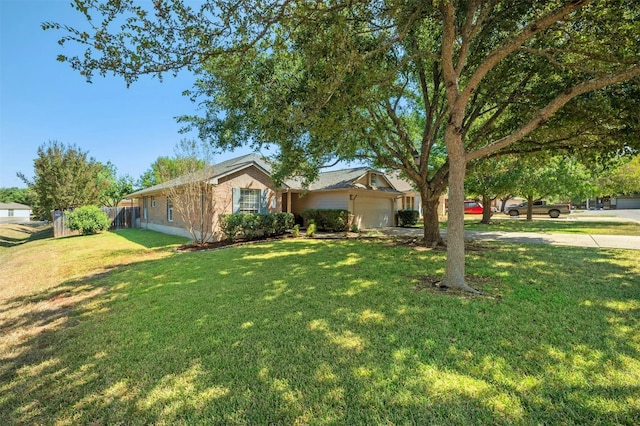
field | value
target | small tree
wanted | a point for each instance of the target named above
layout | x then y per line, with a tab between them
166	168
64	178
541	176
116	187
88	220
191	194
490	178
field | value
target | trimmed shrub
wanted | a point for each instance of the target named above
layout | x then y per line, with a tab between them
88	220
283	222
311	229
249	226
408	217
333	220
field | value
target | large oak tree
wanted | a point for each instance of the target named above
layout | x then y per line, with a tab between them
420	86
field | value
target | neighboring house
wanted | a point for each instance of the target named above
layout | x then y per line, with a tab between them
625	202
244	185
14	213
411	199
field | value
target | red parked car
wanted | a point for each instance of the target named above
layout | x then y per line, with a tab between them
472	207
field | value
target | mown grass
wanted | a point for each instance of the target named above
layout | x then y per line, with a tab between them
323	332
14	234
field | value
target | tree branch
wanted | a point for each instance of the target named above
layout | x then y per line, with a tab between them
505	50
552	107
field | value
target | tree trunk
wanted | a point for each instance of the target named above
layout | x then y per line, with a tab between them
529	208
430	202
486	209
504	203
455	268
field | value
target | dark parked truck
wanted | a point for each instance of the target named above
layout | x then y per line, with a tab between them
540	207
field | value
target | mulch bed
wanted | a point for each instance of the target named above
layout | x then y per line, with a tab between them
225	244
470	246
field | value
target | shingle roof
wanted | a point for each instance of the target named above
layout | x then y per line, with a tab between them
336	179
342	179
401	184
208	173
14	206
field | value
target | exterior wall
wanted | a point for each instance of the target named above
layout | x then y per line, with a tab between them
19	216
171	230
319	200
16	213
250	178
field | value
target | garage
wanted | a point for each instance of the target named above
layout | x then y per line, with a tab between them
628	203
373	212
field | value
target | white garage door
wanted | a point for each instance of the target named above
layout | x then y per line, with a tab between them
628	203
373	212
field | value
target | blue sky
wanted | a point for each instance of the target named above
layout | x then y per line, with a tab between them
43	100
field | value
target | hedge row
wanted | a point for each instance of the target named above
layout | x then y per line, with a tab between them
249	226
333	220
407	217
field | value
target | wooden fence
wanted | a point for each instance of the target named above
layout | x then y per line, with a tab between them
121	218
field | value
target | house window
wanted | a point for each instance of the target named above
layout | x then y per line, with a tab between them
409	203
10	212
169	211
145	213
249	201
153	201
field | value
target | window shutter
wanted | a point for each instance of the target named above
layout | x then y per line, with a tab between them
263	201
235	200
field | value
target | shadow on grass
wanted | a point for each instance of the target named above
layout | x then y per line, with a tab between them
24	234
150	239
331	332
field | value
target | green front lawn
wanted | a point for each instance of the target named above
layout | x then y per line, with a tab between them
318	332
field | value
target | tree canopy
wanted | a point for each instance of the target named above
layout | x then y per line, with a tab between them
424	87
166	168
117	186
623	180
17	195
